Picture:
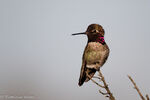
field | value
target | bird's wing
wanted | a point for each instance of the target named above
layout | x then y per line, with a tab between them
82	73
84	70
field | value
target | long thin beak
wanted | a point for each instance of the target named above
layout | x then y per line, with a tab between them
79	33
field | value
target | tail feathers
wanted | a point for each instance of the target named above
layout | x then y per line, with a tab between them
84	77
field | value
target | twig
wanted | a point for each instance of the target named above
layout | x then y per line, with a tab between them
111	97
101	78
97	77
147	97
137	89
103	93
95	81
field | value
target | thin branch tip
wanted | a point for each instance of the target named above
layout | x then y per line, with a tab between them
137	89
147	97
104	86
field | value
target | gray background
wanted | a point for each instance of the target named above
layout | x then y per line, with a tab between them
40	58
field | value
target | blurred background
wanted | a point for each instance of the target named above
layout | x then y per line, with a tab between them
41	60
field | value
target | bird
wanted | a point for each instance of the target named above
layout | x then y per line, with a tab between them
95	53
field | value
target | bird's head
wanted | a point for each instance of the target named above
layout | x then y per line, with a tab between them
93	30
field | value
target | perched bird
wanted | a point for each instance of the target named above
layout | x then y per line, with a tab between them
95	54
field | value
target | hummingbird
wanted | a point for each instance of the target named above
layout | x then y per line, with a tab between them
95	54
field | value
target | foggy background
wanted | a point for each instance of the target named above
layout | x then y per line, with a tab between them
40	58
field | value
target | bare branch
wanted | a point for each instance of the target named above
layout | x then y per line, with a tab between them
147	97
94	81
135	86
101	78
103	93
97	77
111	97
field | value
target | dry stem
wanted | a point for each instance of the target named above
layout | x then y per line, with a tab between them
111	97
147	97
101	78
95	81
137	89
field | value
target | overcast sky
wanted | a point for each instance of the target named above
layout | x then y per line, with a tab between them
40	58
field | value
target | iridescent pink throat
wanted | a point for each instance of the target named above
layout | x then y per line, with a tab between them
101	40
